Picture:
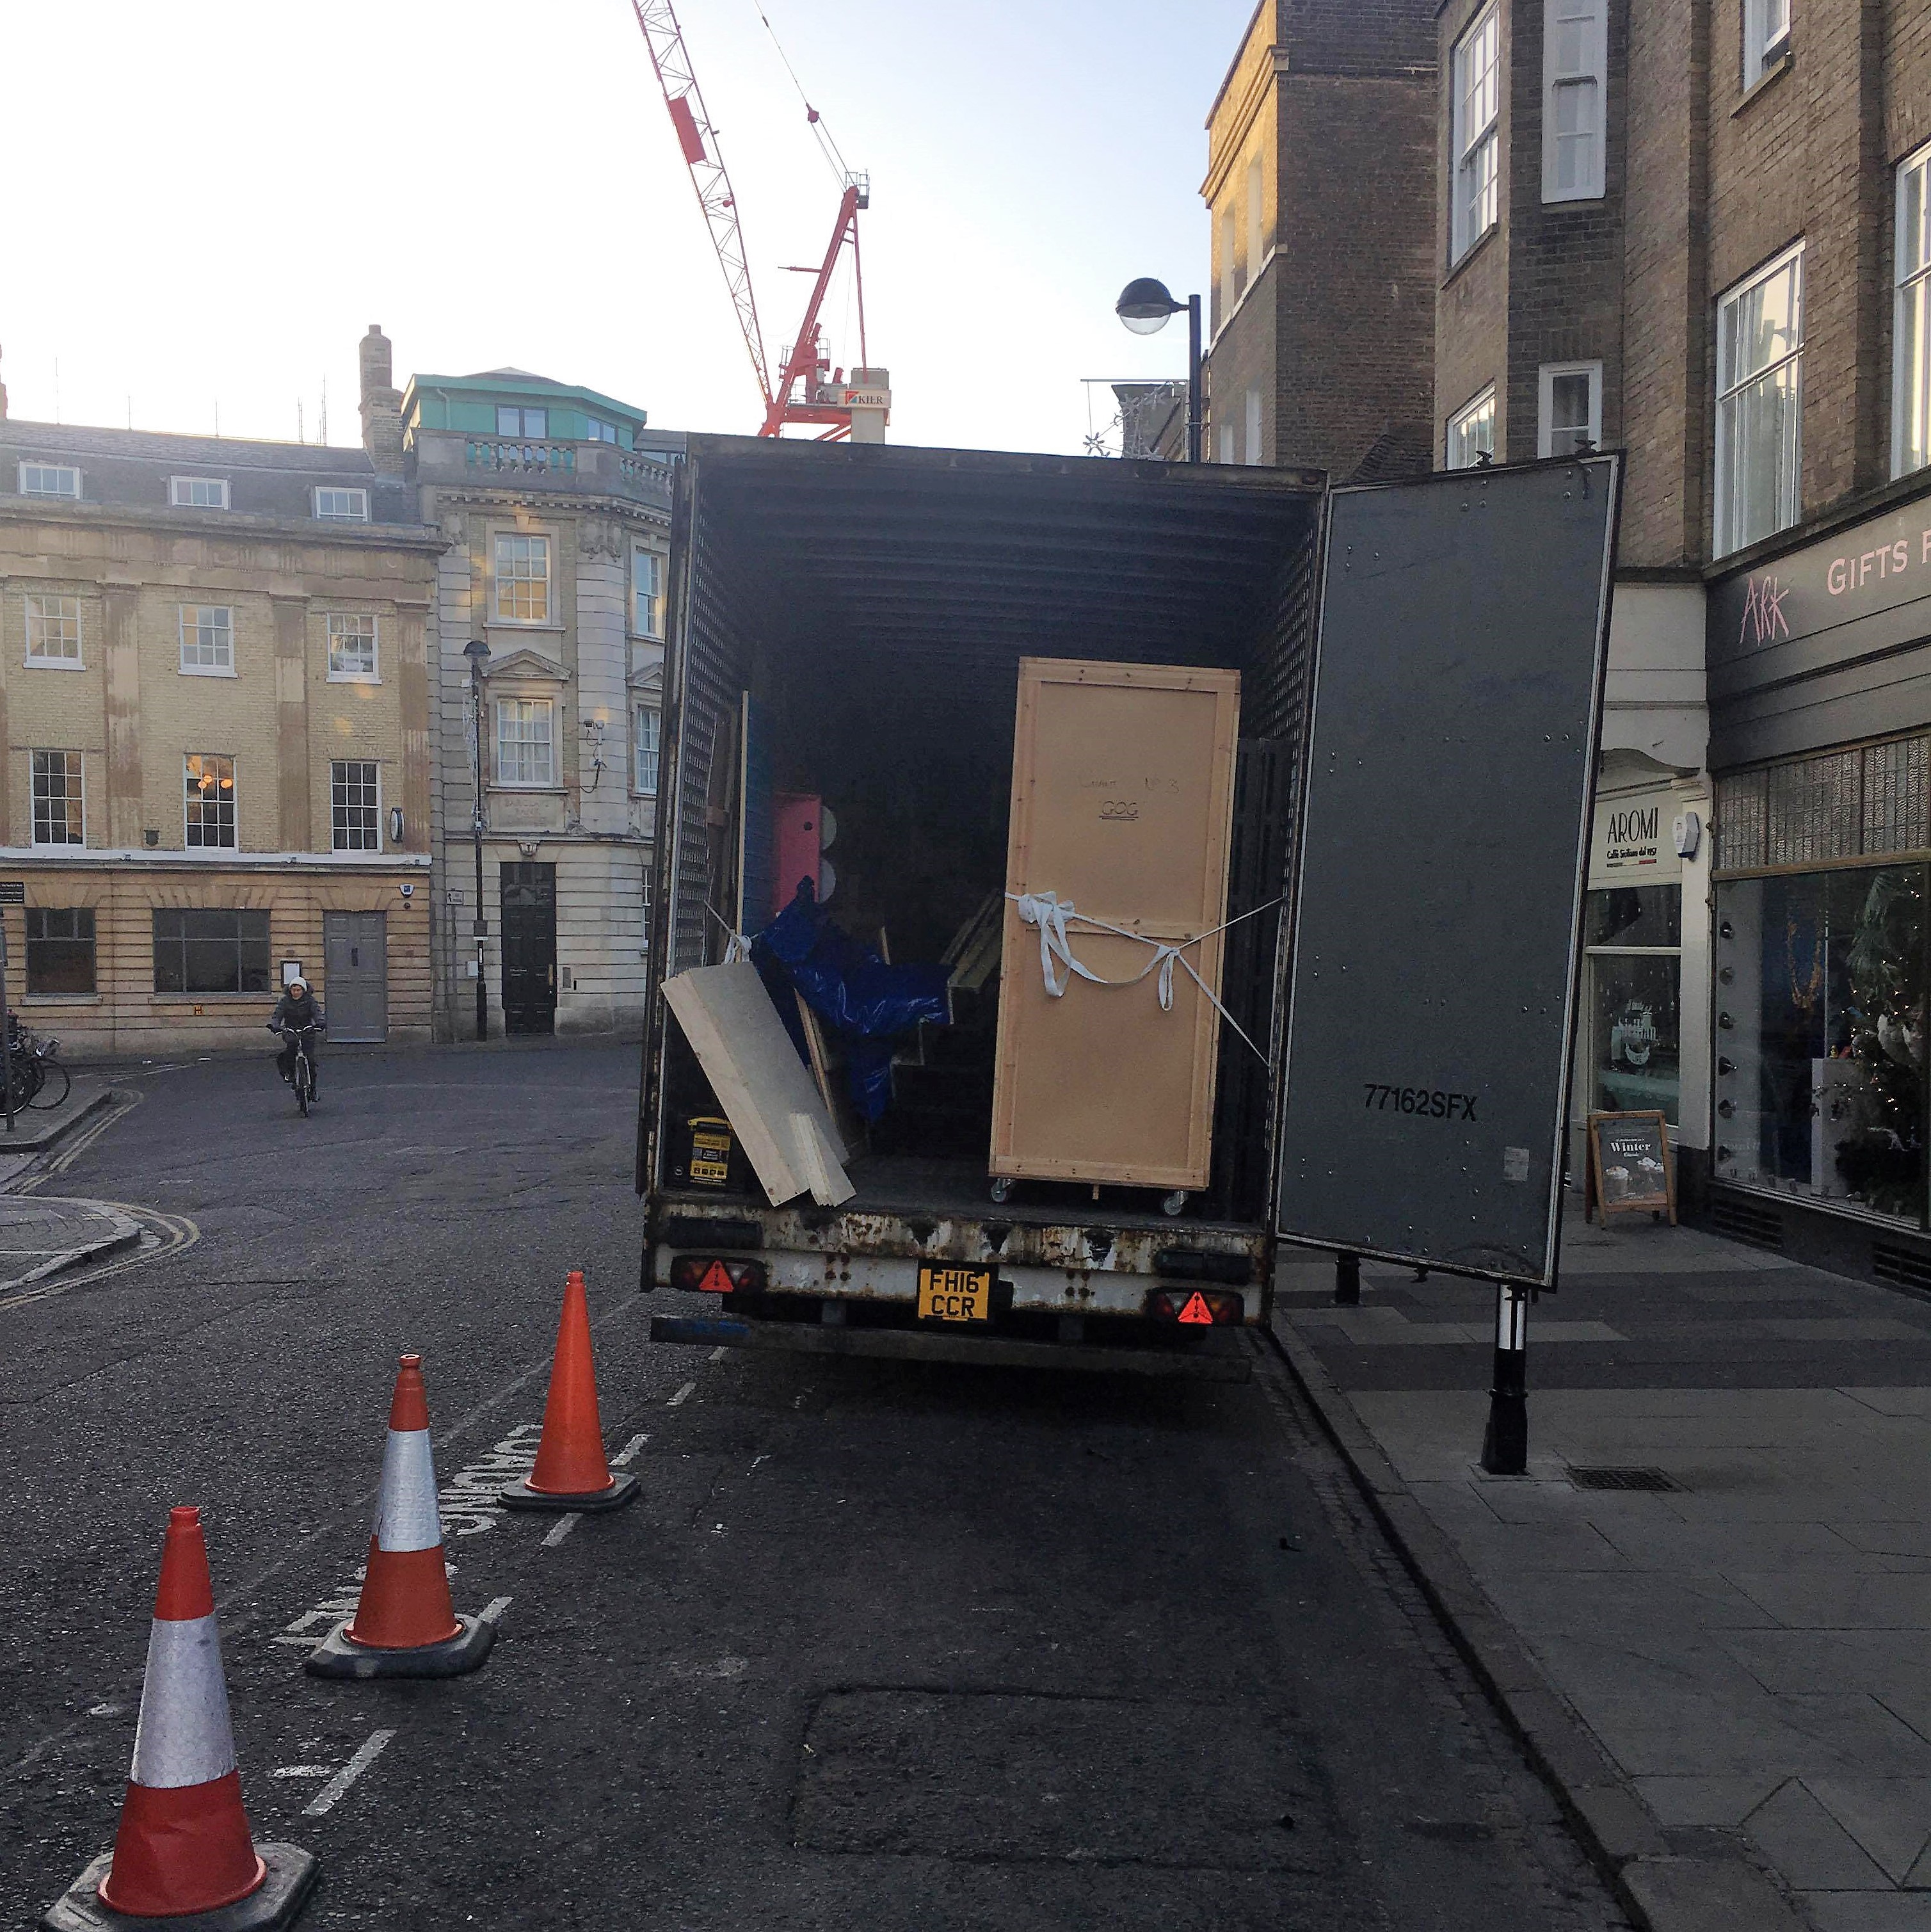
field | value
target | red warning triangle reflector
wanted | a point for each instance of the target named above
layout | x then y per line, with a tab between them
1197	1311
716	1281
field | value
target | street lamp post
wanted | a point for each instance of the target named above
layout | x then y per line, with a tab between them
1143	306
478	653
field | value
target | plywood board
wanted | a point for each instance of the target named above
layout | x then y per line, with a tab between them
759	1082
1123	802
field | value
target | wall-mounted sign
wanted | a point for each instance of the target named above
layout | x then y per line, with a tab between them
12	892
1633	841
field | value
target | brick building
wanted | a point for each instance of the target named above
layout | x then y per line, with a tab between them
554	502
1319	167
215	713
1701	233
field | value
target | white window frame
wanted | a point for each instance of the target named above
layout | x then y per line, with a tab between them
1766	38
1575	64
233	843
1475	147
1546	380
1911	318
529	780
646	613
1731	387
638	713
1257	218
1253	426
354	493
336	673
334	840
213	492
1459	449
79	766
1230	224
207	670
501	551
34	620
1223	436
57	492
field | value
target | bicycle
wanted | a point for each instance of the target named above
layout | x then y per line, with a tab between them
302	1074
35	1076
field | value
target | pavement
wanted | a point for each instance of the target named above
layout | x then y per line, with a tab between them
1742	1654
882	1644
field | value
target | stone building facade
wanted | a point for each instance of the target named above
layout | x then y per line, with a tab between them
215	713
1320	172
554	502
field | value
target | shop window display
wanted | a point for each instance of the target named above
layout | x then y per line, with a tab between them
1820	1036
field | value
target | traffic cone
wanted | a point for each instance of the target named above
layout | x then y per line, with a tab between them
571	1472
405	1624
184	1846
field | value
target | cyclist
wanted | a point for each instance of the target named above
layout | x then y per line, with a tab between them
297	1009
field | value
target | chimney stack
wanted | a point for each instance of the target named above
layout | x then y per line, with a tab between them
382	404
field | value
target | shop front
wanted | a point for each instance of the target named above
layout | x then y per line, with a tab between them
1821	694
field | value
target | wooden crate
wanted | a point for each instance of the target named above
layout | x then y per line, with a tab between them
1122	802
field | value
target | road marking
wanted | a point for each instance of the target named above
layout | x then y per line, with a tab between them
718	1354
332	1793
300	1771
169	1233
563	1528
627	1455
105	1710
494	1609
470	1501
688	1389
753	1470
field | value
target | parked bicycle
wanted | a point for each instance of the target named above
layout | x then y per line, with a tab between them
33	1069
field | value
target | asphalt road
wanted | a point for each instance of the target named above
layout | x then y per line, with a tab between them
882	1646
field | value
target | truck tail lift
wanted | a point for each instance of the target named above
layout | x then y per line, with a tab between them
808	390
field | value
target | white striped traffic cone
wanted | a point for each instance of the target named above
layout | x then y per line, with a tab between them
405	1624
184	1846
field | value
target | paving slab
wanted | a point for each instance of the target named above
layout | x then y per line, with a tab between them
1750	1648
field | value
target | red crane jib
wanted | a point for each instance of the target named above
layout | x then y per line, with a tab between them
685	122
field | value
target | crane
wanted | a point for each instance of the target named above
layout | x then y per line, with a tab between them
801	394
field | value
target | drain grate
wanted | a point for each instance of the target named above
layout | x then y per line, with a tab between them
1621	1479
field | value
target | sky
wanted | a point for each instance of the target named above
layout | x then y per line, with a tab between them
242	188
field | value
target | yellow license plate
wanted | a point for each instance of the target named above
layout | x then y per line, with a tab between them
953	1293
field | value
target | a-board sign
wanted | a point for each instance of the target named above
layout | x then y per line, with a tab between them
1630	1169
1445	833
12	892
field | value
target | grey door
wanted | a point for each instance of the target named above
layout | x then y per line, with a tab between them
355	975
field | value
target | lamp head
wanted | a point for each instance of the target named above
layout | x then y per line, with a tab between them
477	652
1144	305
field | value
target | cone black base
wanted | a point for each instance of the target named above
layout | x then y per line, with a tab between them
272	1904
339	1655
520	1495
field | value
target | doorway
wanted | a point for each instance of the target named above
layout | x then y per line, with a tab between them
529	948
355	976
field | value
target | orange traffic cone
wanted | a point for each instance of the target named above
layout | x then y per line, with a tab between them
183	1845
405	1624
571	1472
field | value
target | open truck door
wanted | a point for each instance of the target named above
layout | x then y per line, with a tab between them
1447	788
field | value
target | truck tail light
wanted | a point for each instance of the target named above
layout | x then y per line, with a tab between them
717	1274
1195	1307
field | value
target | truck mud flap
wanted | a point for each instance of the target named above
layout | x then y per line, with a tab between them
1228	1364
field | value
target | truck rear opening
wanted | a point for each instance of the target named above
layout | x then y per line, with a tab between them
847	626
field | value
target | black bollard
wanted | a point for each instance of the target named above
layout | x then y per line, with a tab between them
1347	1281
1505	1443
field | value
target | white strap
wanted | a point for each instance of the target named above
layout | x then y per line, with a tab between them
1049	913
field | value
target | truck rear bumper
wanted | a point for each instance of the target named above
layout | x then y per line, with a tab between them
1218	1357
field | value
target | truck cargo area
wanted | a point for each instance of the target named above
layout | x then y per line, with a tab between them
848	626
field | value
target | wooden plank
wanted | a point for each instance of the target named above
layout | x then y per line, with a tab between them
848	1131
755	1072
1123	802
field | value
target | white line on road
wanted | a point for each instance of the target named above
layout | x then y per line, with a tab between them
627	1455
332	1793
688	1389
565	1525
494	1609
718	1353
300	1771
